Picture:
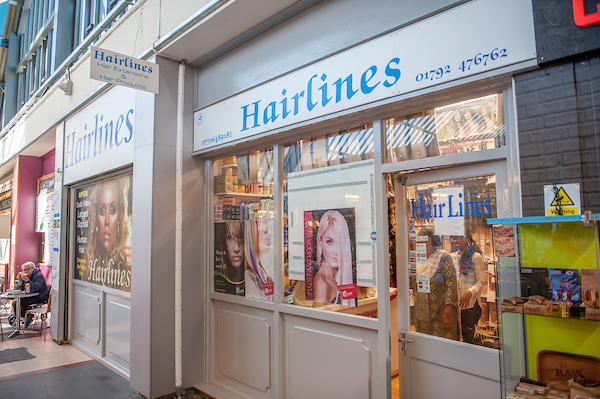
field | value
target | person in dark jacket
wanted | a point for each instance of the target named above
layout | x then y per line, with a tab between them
32	275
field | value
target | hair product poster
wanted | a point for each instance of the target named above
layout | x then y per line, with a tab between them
330	256
244	258
103	233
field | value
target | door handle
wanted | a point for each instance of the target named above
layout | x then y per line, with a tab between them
404	341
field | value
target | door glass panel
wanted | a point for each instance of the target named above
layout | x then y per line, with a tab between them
451	273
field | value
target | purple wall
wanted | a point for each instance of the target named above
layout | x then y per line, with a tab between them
48	163
26	245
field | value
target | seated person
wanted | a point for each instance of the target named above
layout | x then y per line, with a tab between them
32	275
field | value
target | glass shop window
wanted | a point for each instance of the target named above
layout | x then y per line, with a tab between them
244	261
467	126
329	252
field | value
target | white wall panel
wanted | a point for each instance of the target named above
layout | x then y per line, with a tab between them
88	313
327	365
448	383
243	349
118	334
328	360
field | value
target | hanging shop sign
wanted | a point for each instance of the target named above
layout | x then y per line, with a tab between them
100	137
428	53
119	69
562	199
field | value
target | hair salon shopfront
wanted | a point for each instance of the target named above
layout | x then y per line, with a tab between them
94	200
309	171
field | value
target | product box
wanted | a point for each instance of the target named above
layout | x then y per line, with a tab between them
554	394
223	179
592	313
224	188
540	309
493	313
564	282
512	308
534	281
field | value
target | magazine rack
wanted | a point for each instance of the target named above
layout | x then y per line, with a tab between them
553	260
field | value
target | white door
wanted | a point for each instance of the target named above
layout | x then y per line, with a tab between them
448	337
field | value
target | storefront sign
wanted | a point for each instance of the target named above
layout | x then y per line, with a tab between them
385	67
108	66
562	199
100	137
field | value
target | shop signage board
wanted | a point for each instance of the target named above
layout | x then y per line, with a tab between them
100	137
434	51
119	69
567	197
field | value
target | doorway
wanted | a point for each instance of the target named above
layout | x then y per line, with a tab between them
447	321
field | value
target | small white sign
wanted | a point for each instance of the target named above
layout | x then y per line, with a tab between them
421	253
449	219
423	283
4	250
108	66
562	199
413	262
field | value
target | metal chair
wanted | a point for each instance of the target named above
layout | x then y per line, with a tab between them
42	312
2	308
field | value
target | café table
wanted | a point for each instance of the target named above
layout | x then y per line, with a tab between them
17	296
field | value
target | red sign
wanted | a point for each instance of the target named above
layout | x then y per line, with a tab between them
269	288
348	291
579	16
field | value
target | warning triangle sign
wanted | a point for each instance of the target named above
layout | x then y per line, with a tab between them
562	198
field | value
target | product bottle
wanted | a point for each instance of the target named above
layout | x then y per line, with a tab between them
561	305
28	288
568	305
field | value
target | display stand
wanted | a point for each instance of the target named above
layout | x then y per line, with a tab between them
548	292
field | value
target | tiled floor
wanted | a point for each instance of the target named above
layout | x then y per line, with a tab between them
48	354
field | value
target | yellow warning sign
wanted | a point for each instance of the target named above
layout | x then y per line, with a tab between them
562	198
565	211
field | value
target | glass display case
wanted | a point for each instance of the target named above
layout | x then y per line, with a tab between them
548	269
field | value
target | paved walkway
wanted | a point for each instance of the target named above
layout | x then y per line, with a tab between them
59	371
32	368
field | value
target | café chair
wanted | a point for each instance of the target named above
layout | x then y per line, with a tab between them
3	303
42	312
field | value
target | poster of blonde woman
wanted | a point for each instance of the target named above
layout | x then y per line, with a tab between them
330	256
103	233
